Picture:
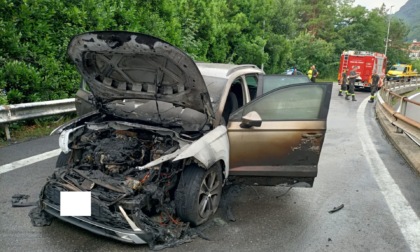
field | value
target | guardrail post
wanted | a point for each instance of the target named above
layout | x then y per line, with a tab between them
7	131
388	97
403	106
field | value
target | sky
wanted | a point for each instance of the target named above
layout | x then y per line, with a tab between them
370	4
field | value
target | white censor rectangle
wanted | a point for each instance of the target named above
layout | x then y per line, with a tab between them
75	204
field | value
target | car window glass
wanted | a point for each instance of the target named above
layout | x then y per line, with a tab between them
397	68
302	102
252	83
272	82
215	87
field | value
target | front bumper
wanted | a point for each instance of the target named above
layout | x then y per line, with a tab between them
128	236
361	85
393	78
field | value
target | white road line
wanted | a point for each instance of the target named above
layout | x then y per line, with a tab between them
414	95
29	161
404	215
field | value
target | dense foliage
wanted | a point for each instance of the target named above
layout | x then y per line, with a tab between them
410	14
277	34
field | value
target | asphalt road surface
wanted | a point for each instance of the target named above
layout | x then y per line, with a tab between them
358	168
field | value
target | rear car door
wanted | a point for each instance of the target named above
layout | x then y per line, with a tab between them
285	147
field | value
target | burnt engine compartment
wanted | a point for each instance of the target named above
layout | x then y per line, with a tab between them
104	162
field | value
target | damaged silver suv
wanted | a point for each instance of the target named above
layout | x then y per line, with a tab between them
166	133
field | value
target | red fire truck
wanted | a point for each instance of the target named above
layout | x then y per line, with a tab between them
368	63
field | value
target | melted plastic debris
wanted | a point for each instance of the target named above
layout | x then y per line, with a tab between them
335	209
40	218
21	200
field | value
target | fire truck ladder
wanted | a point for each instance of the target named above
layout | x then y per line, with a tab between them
346	61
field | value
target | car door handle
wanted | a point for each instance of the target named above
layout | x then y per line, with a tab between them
312	135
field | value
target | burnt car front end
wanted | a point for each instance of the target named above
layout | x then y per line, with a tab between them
131	196
153	120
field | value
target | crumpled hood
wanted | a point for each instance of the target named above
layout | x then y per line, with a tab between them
121	65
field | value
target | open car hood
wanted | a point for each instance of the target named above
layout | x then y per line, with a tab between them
121	66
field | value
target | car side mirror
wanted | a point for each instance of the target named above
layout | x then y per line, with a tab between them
252	119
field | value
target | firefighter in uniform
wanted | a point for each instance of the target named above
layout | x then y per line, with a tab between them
376	83
343	82
352	79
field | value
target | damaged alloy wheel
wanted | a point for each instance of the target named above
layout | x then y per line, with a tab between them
198	194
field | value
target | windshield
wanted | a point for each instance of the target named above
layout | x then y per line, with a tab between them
215	87
397	68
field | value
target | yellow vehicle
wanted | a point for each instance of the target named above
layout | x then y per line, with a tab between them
401	72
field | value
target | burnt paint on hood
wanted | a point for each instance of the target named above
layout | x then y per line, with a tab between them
121	65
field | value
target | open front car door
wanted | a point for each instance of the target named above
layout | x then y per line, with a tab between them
277	138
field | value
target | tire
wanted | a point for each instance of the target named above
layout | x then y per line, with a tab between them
63	159
193	201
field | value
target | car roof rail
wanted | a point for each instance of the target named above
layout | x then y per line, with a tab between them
239	67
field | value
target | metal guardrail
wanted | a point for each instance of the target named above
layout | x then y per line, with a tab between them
393	90
24	111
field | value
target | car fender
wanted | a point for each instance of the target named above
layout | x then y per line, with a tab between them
209	149
75	122
67	137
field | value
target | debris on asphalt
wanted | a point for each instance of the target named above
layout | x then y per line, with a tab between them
335	209
219	222
229	214
230	192
21	200
40	218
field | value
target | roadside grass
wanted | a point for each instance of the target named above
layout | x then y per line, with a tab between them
31	129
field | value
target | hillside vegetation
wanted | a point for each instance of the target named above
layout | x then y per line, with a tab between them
410	14
277	33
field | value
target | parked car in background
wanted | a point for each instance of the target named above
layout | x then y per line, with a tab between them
292	72
402	72
166	133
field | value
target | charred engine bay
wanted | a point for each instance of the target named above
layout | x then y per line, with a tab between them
104	162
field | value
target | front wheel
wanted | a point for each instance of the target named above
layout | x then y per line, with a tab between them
198	193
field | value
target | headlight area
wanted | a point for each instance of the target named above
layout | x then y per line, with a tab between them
126	201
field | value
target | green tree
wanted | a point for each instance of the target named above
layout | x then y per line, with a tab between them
275	33
397	52
316	17
308	50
